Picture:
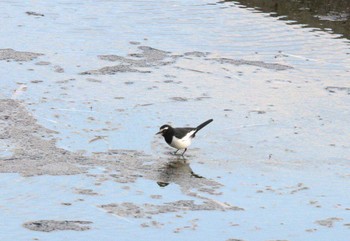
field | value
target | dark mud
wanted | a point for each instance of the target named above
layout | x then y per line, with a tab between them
53	225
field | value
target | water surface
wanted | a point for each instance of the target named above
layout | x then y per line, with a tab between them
273	163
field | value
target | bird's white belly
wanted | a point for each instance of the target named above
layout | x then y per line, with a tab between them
181	143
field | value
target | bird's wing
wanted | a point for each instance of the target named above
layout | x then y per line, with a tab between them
182	132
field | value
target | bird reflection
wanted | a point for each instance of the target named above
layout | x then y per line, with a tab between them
177	171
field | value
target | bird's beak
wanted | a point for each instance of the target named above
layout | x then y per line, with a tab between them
159	132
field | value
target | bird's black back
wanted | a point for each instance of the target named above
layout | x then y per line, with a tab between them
182	131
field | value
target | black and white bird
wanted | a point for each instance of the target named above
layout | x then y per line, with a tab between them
180	138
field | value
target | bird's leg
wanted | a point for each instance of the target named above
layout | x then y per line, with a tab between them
184	153
176	151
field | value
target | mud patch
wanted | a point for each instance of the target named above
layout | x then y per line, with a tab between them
93	80
148	57
110	70
43	63
128	209
33	147
180	99
89	192
336	89
36	81
329	222
10	54
31	13
58	69
196	54
53	225
261	64
285	190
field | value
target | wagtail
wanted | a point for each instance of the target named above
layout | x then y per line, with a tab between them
180	138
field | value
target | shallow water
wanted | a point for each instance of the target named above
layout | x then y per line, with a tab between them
278	148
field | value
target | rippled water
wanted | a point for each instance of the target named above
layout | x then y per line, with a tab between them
278	93
330	16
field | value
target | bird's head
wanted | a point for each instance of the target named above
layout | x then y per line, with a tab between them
164	129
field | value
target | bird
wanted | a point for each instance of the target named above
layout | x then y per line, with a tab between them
181	137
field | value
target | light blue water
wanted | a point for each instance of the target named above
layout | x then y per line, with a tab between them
303	128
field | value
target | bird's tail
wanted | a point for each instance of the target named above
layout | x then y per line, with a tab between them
202	125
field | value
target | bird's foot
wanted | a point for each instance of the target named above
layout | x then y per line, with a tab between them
184	153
